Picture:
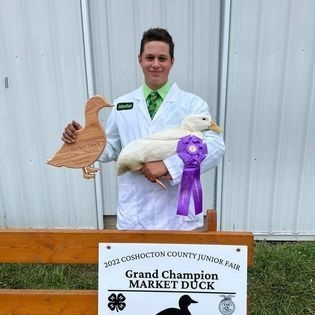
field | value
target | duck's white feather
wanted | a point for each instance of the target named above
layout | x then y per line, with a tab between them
173	134
161	145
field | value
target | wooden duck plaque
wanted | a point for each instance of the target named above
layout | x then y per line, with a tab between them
89	144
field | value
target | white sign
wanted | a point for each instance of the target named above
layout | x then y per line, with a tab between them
161	279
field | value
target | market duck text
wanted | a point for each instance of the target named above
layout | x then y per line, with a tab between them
171	280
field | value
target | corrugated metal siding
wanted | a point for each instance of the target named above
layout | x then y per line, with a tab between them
43	60
269	166
116	30
268	171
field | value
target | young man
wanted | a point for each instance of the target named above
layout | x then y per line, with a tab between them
142	204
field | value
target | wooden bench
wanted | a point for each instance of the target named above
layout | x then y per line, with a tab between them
81	247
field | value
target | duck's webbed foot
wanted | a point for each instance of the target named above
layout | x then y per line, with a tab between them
158	181
89	172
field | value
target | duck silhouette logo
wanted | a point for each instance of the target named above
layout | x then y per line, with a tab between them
116	302
183	303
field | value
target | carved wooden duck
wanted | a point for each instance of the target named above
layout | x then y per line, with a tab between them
89	144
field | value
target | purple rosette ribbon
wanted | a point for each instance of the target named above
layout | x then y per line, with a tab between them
192	151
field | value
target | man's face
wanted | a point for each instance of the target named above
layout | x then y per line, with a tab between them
156	63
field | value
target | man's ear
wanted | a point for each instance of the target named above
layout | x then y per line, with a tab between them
173	60
139	58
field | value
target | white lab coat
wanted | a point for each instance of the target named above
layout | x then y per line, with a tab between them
143	205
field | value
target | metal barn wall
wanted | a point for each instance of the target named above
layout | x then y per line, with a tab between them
269	165
264	101
43	87
116	31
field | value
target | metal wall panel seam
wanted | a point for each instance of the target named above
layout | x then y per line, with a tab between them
307	137
274	198
191	23
91	92
223	81
136	18
256	98
110	79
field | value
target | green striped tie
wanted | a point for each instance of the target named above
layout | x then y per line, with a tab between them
152	105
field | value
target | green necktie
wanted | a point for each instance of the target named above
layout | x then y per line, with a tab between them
151	101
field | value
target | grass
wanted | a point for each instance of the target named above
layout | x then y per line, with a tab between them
280	282
34	276
282	279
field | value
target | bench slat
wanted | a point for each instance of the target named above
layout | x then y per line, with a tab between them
48	302
81	246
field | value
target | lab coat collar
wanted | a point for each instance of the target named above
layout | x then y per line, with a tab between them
170	98
168	102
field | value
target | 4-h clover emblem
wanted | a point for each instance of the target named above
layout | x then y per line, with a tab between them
116	302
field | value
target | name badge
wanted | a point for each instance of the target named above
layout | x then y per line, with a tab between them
124	106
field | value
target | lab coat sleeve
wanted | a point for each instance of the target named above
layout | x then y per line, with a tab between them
113	145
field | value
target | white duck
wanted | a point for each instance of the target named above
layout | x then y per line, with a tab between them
161	145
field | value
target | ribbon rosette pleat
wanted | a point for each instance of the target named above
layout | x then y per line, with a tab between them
192	151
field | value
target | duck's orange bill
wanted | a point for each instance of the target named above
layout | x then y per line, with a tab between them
215	127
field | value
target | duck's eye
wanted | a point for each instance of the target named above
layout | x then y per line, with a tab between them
203	118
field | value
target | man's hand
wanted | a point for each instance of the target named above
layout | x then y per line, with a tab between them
70	133
155	170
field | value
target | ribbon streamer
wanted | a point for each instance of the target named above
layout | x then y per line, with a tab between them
192	151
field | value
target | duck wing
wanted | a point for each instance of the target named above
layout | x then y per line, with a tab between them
169	134
174	134
136	153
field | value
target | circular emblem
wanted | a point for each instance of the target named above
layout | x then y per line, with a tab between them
226	306
192	148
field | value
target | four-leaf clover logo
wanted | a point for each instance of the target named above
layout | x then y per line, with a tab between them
116	302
